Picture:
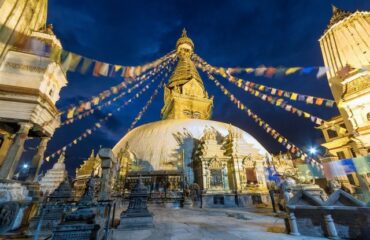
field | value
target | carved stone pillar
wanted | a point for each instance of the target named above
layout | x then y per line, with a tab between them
330	227
293	224
15	152
7	141
37	160
107	160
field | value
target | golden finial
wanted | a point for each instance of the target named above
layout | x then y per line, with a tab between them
184	39
184	33
334	8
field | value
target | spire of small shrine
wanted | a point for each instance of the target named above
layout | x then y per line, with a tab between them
338	14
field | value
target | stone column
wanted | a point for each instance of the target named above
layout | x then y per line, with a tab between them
37	160
15	152
293	224
330	227
8	139
107	160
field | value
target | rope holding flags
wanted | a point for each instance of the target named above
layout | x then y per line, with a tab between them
145	108
279	102
261	123
98	124
260	87
86	105
73	62
108	103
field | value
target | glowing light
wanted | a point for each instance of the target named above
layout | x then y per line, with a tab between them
313	150
25	166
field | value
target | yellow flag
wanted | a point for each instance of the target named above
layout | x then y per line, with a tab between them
294	96
279	102
117	68
71	112
292	70
306	114
240	82
249	70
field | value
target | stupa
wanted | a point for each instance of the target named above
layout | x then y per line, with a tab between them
54	177
186	147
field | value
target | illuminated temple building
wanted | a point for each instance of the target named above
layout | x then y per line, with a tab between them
346	52
187	147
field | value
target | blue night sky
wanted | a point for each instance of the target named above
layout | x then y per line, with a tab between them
226	33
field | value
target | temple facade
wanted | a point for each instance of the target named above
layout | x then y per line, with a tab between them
346	53
185	148
31	78
90	167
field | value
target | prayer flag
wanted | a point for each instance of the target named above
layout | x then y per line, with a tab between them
75	60
309	100
292	70
294	96
329	103
71	112
307	69
86	63
66	63
319	101
249	70
260	70
270	72
321	72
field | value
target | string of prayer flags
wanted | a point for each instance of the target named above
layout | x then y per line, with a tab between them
89	131
108	103
70	62
273	91
279	102
272	71
147	104
115	90
268	129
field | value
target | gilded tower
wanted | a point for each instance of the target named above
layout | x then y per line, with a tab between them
185	96
346	51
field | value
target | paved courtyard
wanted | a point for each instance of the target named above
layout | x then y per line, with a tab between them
230	224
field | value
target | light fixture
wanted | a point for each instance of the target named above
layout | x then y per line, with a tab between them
313	150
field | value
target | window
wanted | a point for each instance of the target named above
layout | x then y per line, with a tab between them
351	179
368	116
332	133
341	155
353	152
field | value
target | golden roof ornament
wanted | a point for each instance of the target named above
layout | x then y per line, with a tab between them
184	39
338	15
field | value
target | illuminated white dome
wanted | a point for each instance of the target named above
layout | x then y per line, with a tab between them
161	142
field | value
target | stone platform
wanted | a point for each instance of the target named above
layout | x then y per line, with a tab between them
210	224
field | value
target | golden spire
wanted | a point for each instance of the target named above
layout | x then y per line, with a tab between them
185	69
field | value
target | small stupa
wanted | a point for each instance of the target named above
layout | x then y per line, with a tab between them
54	177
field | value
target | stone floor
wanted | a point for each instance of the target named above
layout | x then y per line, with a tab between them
230	224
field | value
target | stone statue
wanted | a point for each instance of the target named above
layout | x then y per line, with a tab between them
333	185
286	193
